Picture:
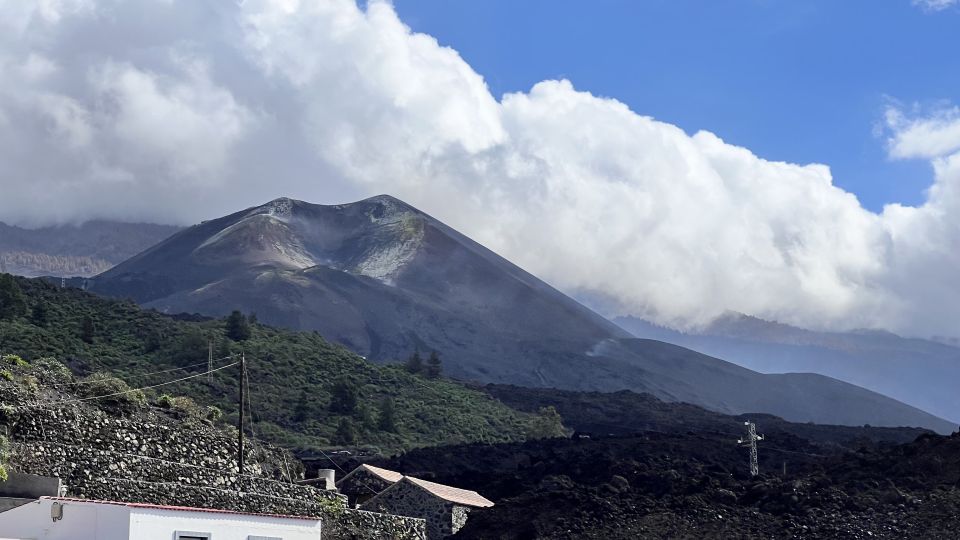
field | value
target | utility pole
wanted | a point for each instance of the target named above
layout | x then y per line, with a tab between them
751	441
210	360
240	427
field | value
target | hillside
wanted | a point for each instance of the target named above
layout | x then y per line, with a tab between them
75	250
292	375
915	371
383	279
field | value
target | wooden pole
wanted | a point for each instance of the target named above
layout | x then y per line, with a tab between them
240	426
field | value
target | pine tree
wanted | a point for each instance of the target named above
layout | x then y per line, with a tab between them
302	410
434	366
238	329
344	397
366	418
387	421
87	329
346	433
414	364
12	302
40	316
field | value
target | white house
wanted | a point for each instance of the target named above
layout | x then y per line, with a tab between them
60	518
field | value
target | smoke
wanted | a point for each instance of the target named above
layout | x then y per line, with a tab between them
177	111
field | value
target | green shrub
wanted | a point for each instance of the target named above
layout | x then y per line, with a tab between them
165	401
6	375
119	395
4	454
547	424
213	414
51	369
185	407
15	360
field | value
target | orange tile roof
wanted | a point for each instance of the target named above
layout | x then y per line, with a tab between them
452	494
383	474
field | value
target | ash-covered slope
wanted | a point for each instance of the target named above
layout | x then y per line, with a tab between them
385	279
378	276
920	372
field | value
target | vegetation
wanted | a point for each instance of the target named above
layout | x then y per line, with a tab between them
113	392
434	368
238	328
12	302
414	364
431	369
4	453
305	393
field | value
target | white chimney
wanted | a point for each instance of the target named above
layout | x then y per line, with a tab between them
329	475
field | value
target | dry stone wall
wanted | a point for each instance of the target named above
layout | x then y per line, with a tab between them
152	459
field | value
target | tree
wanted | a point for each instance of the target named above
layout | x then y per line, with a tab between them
547	424
344	397
414	364
238	329
301	411
366	418
346	433
189	348
387	421
12	302
434	366
87	329
40	315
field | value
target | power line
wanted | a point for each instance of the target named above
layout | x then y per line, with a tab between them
65	402
142	375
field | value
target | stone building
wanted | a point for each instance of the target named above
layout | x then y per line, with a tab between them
365	482
444	508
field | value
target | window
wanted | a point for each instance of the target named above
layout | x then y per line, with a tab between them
187	535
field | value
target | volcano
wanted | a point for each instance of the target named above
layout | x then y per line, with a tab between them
385	279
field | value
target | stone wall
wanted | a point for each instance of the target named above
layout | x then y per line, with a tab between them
407	499
155	437
363	525
149	458
361	486
459	517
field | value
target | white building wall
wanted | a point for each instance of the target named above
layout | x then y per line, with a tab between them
93	521
81	521
159	524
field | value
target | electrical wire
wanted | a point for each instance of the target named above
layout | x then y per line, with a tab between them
141	375
79	400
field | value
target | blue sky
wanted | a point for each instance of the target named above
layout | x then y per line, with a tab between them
793	81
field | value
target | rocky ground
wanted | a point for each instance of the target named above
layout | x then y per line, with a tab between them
688	485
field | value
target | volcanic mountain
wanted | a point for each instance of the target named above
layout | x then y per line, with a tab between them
385	279
920	372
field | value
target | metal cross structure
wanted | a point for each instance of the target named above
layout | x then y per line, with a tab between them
751	441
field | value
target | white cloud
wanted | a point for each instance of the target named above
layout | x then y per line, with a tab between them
182	110
935	5
928	136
